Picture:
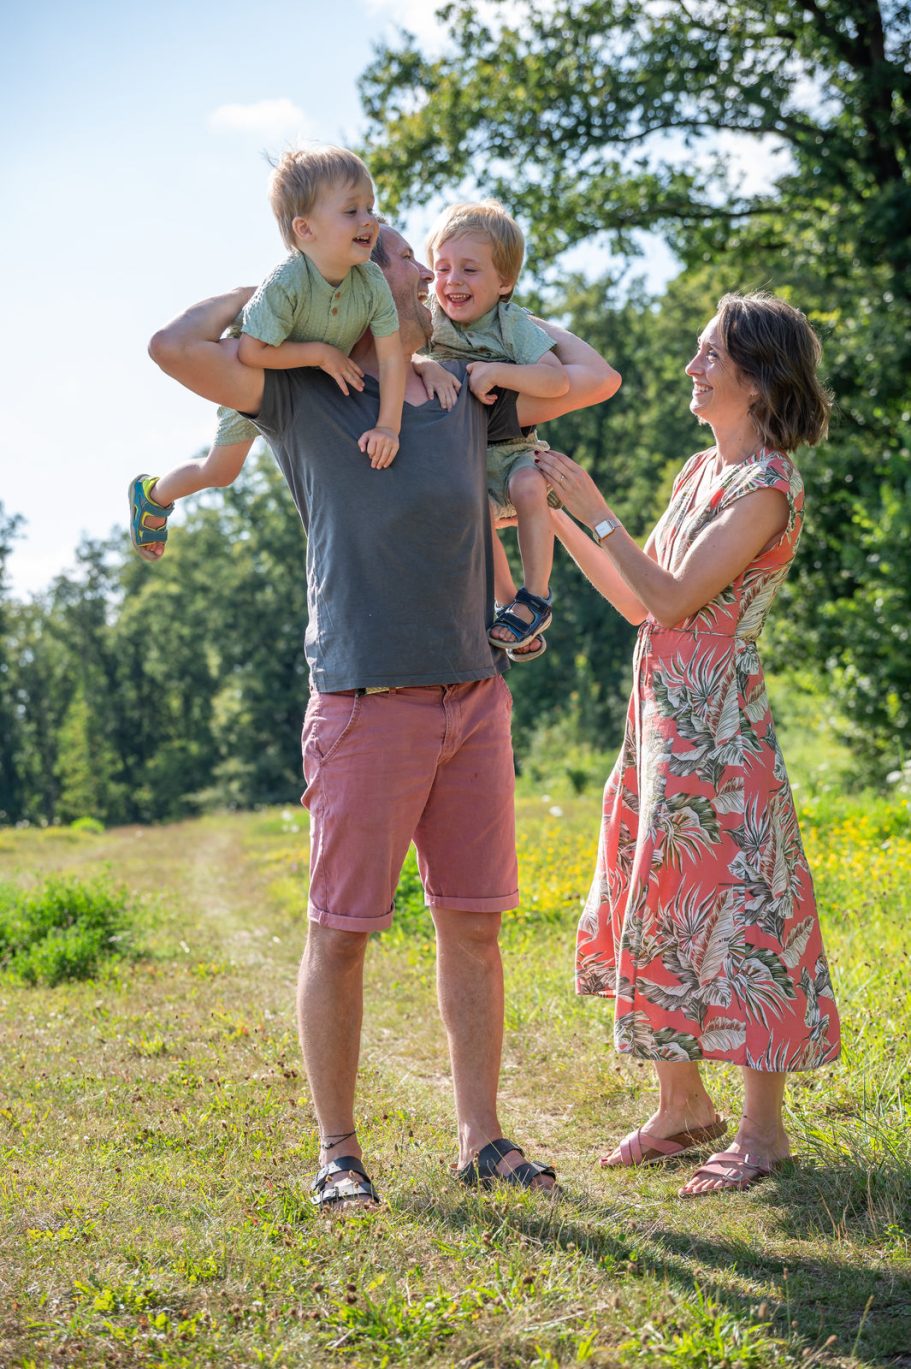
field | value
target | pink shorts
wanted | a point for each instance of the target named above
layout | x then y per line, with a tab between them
432	764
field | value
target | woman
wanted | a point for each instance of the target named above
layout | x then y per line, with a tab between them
701	920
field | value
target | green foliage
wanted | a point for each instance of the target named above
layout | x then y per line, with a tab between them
595	119
63	929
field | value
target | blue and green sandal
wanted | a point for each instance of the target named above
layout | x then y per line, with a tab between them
142	507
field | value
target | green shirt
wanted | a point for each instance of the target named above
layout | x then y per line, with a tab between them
296	303
506	333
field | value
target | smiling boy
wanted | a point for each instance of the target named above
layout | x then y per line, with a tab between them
477	252
310	311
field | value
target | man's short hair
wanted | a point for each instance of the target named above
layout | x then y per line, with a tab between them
489	220
299	177
380	253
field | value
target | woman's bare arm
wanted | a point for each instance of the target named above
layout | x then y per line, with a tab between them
718	555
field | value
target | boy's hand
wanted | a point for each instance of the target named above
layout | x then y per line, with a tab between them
381	445
483	376
341	368
438	382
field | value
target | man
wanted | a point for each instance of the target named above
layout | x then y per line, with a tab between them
407	731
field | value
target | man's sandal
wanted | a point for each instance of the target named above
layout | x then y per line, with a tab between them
522	631
641	1148
143	507
482	1172
357	1192
732	1171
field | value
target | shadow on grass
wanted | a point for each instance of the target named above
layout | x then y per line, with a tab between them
808	1297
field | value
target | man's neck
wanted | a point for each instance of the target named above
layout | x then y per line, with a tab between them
364	353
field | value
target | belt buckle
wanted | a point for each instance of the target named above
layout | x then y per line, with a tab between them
377	689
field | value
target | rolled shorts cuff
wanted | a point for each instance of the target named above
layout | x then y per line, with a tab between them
448	902
343	923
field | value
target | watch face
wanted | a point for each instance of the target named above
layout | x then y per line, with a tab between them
602	529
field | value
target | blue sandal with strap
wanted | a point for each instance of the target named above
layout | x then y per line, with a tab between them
143	507
482	1171
522	631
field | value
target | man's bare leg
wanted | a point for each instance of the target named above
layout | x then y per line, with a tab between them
470	991
330	1008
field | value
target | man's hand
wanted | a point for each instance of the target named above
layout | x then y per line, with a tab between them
437	381
381	445
342	369
483	376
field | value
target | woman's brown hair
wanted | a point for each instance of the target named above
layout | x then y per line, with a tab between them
776	350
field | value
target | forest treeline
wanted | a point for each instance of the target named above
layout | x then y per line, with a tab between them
131	692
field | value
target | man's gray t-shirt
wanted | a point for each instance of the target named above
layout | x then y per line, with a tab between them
399	563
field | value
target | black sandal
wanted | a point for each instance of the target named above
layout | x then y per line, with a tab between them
482	1172
541	618
324	1194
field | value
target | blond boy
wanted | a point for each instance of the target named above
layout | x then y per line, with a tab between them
476	251
310	311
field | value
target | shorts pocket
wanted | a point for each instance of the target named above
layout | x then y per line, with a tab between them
330	719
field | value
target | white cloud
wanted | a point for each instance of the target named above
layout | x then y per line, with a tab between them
266	118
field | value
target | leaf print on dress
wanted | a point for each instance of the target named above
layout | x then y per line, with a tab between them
701	916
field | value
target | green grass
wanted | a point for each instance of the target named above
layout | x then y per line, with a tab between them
156	1136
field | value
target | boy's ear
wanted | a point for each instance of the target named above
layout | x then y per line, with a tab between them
300	227
506	287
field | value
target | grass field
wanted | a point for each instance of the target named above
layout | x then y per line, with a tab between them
156	1136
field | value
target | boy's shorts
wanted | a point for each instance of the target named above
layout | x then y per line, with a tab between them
503	460
430	763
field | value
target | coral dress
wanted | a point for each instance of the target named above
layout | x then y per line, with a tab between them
701	920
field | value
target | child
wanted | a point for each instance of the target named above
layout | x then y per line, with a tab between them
476	251
309	312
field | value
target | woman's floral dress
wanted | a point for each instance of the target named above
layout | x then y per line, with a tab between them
701	920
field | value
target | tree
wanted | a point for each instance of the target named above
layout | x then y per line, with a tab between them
11	792
598	118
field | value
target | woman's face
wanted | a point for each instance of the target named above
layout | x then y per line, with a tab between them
721	396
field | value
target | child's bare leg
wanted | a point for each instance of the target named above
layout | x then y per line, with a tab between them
504	586
528	493
220	468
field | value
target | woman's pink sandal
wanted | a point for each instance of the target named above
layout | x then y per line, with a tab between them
735	1172
641	1148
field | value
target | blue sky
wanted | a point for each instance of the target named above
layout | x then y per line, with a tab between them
134	185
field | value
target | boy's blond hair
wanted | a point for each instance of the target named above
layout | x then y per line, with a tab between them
489	220
300	176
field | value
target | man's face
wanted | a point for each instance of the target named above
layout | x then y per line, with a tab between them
467	283
409	282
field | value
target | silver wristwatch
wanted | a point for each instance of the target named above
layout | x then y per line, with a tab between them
604	529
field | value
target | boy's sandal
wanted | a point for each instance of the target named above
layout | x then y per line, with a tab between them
522	631
532	655
347	1190
734	1172
640	1148
482	1172
142	507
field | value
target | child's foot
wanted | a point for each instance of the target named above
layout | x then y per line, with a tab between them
148	519
524	619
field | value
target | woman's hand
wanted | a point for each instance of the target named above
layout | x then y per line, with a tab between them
574	487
